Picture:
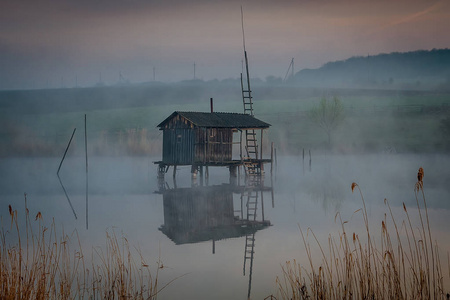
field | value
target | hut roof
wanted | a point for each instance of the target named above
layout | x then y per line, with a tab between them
219	120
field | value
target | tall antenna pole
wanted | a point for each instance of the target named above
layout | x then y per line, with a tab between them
246	93
242	23
292	67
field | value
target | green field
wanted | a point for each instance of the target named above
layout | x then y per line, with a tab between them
375	121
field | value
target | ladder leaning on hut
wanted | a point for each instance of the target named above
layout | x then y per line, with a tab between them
251	164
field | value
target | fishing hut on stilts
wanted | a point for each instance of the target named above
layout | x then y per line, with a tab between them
206	139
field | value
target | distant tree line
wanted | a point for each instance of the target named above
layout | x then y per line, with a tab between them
415	68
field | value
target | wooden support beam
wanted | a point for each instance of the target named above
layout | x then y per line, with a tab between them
240	145
261	152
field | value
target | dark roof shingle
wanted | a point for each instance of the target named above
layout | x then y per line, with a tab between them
219	120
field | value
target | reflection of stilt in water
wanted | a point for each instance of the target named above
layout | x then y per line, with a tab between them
161	182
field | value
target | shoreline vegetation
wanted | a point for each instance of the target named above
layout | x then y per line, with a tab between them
38	263
378	123
405	264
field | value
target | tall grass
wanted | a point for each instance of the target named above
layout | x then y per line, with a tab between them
404	265
39	264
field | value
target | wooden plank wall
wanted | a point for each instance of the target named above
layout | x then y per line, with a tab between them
178	146
184	144
213	145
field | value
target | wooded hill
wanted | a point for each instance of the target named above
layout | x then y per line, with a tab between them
410	70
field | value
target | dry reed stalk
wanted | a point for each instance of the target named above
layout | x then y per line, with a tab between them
353	269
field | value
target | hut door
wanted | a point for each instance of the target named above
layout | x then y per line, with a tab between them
184	146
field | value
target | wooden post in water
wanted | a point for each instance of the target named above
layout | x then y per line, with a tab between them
262	204
276	164
303	161
271	192
201	175
271	158
261	152
310	160
85	150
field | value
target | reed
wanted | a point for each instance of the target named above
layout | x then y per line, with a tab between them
40	264
404	265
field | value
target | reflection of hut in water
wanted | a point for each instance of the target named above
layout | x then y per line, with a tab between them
205	213
209	213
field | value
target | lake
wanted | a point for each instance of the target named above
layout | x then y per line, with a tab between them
203	231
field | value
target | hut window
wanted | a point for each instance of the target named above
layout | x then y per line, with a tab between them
179	138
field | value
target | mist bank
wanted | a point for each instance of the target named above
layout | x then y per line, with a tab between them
122	119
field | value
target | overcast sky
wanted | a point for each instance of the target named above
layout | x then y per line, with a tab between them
54	43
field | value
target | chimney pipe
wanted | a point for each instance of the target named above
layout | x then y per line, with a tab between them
211	102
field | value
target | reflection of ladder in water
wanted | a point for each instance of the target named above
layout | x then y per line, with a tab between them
252	168
252	205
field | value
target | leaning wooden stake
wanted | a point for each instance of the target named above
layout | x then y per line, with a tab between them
59	168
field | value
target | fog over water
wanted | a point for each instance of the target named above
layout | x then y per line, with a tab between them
124	196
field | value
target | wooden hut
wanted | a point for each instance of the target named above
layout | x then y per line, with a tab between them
206	139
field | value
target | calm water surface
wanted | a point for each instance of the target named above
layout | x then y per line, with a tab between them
203	230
